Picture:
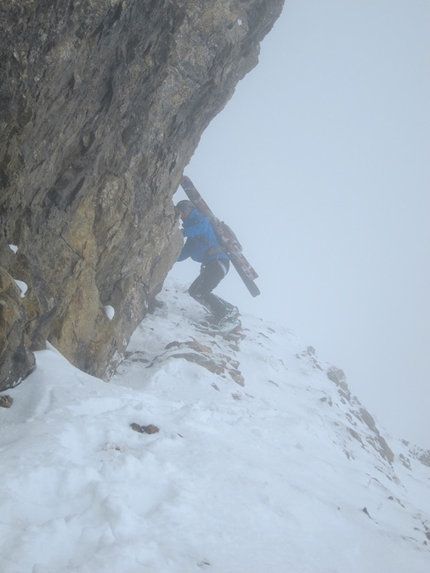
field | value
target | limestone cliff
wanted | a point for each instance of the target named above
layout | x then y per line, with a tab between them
102	104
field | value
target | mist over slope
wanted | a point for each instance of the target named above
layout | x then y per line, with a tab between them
250	456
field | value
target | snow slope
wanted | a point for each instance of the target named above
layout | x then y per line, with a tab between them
261	462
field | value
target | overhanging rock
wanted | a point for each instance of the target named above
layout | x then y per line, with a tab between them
102	105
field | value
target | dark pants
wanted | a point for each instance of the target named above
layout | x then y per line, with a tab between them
210	276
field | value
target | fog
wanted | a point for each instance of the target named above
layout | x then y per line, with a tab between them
320	164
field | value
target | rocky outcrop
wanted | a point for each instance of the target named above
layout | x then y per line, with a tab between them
417	453
102	104
375	439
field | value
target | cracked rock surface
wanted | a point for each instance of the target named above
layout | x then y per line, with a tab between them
102	105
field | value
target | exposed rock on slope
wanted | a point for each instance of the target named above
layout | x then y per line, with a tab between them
178	465
102	105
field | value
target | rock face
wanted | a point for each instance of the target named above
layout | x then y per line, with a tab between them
102	104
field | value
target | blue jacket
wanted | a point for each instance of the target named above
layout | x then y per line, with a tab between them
201	245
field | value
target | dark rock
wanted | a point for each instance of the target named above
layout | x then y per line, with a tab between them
150	429
237	377
16	361
6	401
338	376
366	512
422	456
102	105
378	441
405	461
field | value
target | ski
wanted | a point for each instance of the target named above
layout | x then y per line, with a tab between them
225	236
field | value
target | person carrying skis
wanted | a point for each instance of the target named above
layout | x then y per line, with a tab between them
203	247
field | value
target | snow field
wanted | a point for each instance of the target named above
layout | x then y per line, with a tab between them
239	479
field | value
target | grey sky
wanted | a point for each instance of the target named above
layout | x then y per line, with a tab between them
320	163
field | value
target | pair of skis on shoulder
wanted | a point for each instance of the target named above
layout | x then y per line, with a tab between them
225	236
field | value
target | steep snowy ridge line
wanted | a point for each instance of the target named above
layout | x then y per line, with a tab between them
263	461
341	415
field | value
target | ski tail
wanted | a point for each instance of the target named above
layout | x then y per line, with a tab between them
225	236
249	283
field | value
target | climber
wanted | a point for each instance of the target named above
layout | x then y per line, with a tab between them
203	247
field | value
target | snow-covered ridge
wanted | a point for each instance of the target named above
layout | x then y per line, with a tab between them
263	461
